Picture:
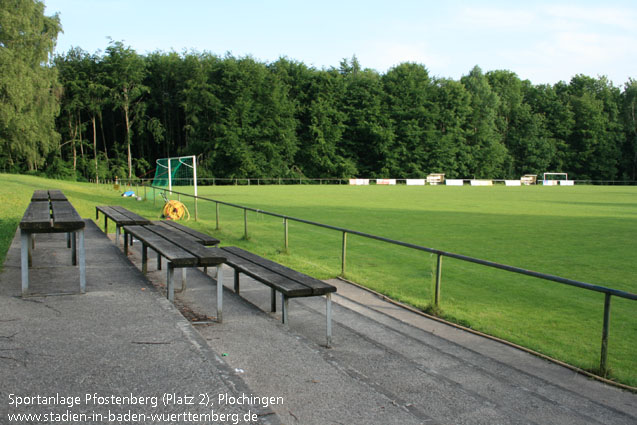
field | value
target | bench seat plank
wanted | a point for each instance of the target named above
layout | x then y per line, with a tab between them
206	256
204	239
317	287
37	218
136	218
40	196
116	216
65	218
56	195
288	287
121	219
174	254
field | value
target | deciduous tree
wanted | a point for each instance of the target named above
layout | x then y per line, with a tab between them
28	84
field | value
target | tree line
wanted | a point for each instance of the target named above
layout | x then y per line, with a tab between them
113	113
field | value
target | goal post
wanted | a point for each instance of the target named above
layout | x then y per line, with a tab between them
176	171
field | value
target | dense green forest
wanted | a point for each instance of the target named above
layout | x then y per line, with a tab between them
86	115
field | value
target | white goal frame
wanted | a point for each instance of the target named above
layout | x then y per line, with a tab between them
555	174
180	159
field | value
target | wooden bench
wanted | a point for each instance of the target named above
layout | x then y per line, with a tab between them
202	238
180	250
50	212
289	283
120	216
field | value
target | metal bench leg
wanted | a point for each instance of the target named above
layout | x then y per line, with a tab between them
205	270
273	300
158	260
144	258
284	309
170	289
31	243
68	239
73	248
183	279
117	235
105	224
236	282
125	240
82	261
24	254
219	294
328	314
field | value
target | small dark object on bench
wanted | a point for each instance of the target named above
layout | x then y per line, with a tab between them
290	283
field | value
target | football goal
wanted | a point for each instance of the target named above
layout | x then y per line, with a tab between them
176	171
553	179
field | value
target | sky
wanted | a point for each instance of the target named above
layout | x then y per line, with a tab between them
542	41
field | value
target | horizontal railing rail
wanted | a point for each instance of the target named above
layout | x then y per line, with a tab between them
609	292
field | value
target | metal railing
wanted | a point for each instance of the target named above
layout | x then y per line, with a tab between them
608	292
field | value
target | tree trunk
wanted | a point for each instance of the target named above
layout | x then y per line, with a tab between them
72	134
130	160
97	177
79	130
103	136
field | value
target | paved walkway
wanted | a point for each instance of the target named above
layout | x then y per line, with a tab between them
387	365
79	353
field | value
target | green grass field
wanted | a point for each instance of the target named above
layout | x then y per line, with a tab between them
587	233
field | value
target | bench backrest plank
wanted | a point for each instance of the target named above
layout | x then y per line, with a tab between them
170	251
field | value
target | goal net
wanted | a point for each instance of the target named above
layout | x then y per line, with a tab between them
176	171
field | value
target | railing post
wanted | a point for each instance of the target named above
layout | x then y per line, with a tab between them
438	278
285	229
217	215
195	208
344	254
603	367
245	223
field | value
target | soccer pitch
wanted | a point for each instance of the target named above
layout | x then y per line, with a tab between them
586	233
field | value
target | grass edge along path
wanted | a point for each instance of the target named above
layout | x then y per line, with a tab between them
321	259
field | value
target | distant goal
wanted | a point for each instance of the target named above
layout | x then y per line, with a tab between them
554	179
